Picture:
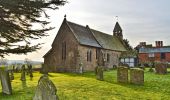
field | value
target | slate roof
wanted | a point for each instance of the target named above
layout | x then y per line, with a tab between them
154	50
108	41
83	35
91	37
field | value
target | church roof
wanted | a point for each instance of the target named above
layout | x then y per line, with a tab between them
83	35
91	37
108	41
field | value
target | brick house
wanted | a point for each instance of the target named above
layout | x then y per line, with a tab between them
158	53
76	45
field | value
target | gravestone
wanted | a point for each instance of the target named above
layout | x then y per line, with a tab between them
30	71
81	68
79	64
11	75
136	76
99	73
101	63
45	90
161	68
122	74
5	81
23	73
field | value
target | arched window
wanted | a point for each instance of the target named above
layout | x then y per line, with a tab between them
64	51
108	57
89	55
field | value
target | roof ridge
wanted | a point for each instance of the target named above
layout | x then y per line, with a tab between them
101	32
90	28
76	24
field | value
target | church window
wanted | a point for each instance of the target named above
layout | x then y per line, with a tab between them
89	55
64	51
108	57
97	52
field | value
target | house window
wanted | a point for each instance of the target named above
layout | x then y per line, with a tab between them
89	55
63	50
151	55
108	57
163	56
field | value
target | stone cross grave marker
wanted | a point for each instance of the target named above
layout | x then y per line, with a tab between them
5	81
45	90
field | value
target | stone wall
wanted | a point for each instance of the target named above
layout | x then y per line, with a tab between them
90	65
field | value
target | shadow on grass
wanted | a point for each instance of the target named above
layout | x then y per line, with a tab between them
23	94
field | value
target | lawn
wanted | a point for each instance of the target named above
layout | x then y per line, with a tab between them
86	87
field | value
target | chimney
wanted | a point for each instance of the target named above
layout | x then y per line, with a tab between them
159	43
142	43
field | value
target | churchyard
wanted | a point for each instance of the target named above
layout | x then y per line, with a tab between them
72	86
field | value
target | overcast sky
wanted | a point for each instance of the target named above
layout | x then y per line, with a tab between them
141	20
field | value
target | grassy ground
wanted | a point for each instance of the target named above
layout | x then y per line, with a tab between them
86	87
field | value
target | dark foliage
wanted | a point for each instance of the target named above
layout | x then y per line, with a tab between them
128	46
17	18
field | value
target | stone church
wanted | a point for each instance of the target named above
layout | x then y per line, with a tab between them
77	47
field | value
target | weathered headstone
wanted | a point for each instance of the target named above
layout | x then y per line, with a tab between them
122	74
81	68
23	73
99	73
11	75
5	81
45	90
101	63
136	76
161	68
30	71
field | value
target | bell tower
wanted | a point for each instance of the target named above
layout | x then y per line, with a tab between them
117	31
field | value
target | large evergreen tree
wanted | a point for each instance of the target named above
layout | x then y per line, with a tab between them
16	21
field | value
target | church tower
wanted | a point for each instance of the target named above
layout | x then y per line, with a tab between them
117	31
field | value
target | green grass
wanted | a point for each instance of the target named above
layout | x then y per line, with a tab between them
86	87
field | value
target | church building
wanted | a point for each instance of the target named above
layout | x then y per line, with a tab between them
77	47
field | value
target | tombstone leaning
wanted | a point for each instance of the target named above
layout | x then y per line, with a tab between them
5	81
45	90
